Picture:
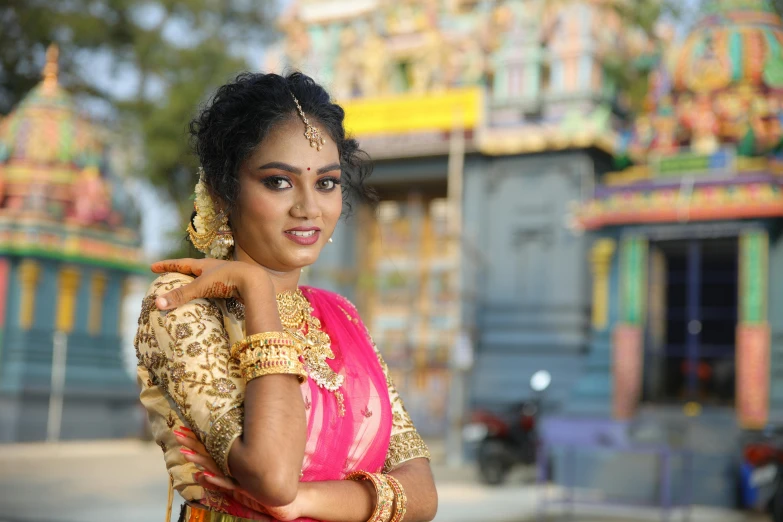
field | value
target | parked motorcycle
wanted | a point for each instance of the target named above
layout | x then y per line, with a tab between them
765	458
508	438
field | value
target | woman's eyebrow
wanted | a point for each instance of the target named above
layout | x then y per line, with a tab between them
329	168
281	166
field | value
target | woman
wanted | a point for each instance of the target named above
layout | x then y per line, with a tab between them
264	395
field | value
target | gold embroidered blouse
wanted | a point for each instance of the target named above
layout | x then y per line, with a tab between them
188	378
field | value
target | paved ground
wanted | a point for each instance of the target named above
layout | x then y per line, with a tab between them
124	481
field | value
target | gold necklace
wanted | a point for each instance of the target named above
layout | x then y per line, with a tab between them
297	319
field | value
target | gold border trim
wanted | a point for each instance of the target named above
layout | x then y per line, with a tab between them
222	434
404	447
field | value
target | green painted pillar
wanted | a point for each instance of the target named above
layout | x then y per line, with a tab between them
753	333
627	337
633	282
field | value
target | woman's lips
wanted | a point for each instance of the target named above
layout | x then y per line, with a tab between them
303	237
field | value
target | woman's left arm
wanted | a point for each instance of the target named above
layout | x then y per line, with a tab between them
349	501
330	501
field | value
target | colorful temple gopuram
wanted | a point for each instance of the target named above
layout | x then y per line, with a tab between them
68	244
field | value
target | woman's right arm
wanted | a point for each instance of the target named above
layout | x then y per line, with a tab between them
267	458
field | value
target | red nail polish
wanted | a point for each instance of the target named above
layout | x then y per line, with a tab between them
187	451
184	428
208	474
179	433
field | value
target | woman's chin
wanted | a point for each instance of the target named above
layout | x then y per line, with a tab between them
300	262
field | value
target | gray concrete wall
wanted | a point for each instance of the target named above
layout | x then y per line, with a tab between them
527	272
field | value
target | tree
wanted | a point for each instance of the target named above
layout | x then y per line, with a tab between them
654	22
160	59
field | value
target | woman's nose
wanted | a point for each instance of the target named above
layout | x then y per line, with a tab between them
306	205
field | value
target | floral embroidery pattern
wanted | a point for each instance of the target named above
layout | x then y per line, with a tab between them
186	353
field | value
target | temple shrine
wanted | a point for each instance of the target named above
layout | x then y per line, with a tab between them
685	242
69	242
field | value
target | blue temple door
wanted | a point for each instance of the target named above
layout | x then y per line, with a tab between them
692	317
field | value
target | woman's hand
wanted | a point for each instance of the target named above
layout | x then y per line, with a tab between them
214	279
212	478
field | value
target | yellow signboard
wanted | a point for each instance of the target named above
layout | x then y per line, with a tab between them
438	111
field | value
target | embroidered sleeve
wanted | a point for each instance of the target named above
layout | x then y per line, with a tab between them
406	443
185	353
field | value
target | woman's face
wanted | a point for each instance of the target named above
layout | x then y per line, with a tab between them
289	199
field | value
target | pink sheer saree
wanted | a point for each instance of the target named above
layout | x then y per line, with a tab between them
357	440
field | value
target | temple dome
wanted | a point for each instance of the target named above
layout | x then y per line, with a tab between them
739	42
52	159
46	135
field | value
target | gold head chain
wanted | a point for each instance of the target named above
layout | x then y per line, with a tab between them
311	133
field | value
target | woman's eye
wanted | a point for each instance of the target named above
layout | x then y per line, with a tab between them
277	183
328	183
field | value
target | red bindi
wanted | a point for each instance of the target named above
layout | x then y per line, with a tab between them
308	168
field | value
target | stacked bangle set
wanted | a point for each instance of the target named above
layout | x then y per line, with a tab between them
391	502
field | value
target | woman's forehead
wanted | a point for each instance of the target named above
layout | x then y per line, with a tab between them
286	142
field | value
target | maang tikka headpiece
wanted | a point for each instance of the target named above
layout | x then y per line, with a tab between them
311	133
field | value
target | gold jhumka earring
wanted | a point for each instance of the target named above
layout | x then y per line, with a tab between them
311	133
208	232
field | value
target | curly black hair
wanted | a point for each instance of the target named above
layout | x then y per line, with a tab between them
241	113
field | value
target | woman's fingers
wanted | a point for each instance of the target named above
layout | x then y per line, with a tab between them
195	452
183	265
199	477
177	297
213	484
223	483
188	439
205	462
204	483
186	293
218	282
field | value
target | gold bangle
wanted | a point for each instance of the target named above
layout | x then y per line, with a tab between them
400	500
253	354
384	494
283	367
262	339
271	360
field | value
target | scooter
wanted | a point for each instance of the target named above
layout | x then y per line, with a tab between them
508	438
766	476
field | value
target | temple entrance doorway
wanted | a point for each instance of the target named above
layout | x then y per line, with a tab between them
690	346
